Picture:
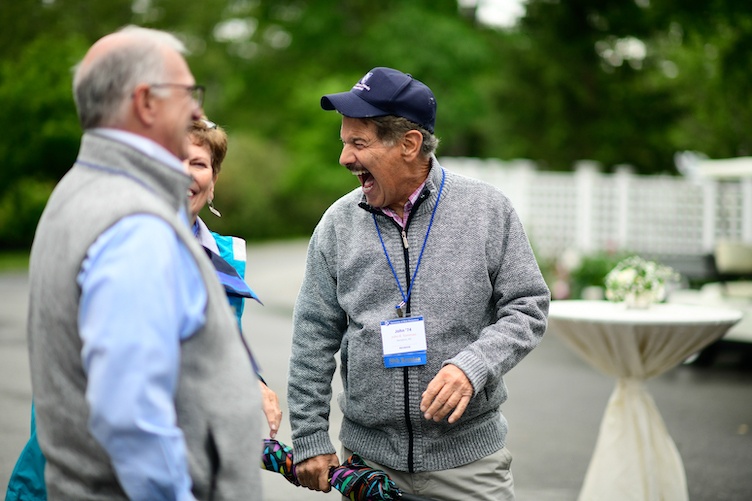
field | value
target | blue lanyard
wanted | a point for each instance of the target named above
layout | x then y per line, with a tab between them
406	298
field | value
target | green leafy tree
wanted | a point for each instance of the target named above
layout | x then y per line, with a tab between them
42	136
574	86
617	81
624	82
707	47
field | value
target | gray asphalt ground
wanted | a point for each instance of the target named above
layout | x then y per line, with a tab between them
554	409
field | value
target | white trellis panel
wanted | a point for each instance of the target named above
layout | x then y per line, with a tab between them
589	211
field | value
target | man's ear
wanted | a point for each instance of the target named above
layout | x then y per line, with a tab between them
412	142
144	105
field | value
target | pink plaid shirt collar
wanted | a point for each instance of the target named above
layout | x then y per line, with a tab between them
406	210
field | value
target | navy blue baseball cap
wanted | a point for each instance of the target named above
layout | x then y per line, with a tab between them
385	91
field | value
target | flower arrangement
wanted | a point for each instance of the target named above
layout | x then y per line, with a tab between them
639	282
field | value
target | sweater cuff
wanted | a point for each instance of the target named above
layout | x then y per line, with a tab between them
474	369
313	445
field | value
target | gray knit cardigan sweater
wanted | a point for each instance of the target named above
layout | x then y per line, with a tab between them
484	301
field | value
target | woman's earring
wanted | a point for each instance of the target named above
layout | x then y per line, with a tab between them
212	209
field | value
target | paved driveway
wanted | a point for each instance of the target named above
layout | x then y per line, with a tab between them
554	408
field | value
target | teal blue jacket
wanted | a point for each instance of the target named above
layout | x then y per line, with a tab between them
27	480
232	250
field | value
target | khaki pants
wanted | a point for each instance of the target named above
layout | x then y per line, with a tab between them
488	479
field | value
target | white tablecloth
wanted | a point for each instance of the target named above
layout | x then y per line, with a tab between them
635	458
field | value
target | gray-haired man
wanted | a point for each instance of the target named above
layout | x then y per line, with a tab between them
142	387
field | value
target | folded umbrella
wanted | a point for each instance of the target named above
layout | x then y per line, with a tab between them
354	478
359	482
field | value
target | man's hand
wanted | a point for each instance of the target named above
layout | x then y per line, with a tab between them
272	411
314	472
449	391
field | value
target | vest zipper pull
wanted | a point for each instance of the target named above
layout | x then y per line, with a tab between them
404	239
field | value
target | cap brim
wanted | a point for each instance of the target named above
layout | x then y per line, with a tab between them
350	105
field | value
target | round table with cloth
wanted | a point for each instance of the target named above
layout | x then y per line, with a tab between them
635	458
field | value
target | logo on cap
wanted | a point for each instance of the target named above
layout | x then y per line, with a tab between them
362	84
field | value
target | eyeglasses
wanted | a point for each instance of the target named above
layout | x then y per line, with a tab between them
196	91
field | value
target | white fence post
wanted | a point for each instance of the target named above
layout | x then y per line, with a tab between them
622	177
586	172
746	186
710	203
522	172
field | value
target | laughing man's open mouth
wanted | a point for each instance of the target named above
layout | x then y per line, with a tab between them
365	177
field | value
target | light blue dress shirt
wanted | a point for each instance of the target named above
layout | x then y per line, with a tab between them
135	309
141	294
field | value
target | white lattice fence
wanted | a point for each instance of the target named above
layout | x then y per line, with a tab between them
588	211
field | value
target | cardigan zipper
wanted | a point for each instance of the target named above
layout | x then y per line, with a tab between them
405	370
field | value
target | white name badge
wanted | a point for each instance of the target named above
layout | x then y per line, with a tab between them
404	342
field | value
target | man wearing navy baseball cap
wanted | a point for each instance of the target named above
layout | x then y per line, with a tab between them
426	284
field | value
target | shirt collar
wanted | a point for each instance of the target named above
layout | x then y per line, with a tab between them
406	209
142	144
204	235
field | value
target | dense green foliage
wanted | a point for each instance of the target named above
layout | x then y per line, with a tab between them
616	81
